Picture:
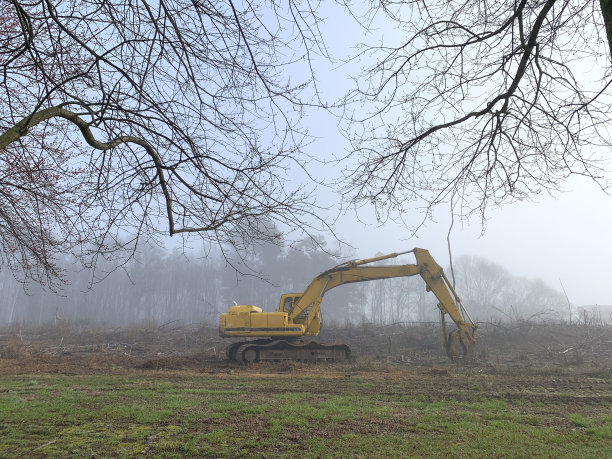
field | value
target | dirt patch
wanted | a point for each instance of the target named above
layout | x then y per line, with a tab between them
81	349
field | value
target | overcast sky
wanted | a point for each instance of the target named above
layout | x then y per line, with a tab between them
562	238
565	238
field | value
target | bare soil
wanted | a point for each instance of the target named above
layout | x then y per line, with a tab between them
538	380
83	349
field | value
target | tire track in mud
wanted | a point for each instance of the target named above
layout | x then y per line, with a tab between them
461	387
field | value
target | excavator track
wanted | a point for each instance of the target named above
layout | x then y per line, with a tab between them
260	350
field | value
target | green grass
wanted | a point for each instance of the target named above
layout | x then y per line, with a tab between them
332	415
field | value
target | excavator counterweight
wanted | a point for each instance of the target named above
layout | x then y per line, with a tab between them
298	314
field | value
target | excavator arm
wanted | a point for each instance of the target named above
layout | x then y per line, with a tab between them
433	275
460	341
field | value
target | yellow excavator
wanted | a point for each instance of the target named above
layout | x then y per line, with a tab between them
299	314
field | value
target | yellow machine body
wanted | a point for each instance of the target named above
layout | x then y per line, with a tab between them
251	321
298	314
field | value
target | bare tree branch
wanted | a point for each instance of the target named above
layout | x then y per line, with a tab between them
482	102
119	116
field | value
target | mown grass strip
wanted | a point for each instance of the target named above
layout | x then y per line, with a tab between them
247	415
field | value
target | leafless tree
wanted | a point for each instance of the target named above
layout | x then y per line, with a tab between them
493	293
123	120
478	103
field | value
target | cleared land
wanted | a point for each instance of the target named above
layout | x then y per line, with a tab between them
163	391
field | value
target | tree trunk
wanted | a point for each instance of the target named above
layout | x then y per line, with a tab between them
606	11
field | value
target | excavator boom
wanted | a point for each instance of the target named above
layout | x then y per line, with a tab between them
299	313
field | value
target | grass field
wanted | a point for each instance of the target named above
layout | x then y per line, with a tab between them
363	410
533	391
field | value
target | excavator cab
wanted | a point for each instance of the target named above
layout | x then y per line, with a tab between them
288	302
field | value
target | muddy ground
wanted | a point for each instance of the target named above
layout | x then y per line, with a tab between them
502	348
544	389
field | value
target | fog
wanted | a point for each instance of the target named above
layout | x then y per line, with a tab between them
511	266
515	270
564	239
164	287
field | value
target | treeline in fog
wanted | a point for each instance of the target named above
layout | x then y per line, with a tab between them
164	286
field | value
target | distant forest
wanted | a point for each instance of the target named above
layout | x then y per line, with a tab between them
163	286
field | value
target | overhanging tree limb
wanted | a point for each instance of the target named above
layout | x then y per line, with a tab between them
186	115
22	127
480	102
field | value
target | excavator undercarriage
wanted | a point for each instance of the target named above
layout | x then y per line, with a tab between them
278	349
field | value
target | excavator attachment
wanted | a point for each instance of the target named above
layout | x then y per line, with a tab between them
460	346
